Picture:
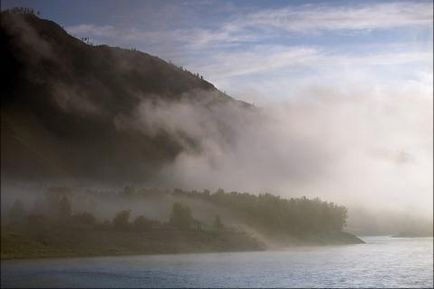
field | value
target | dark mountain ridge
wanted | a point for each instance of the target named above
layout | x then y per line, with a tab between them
61	100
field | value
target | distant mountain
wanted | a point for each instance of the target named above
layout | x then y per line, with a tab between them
61	100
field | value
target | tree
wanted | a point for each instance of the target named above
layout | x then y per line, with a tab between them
275	215
120	221
218	225
57	204
64	208
141	223
181	217
84	219
197	225
16	212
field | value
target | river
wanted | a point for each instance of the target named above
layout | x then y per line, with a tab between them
381	262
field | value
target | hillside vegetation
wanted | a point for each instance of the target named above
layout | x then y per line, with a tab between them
52	226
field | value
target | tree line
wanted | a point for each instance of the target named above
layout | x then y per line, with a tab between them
273	214
55	210
265	212
270	213
23	11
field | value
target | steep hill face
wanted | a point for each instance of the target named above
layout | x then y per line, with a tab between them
63	102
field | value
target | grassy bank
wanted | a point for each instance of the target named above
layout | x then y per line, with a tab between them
61	242
75	242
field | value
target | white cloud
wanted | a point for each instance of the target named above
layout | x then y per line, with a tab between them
388	58
256	60
253	26
309	17
126	37
225	65
91	29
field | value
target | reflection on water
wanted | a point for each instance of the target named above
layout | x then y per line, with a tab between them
382	262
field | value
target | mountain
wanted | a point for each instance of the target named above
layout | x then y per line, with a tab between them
63	102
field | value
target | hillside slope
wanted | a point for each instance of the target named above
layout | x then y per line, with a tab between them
62	102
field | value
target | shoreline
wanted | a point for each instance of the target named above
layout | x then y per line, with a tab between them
128	255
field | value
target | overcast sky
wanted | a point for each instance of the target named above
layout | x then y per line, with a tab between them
357	76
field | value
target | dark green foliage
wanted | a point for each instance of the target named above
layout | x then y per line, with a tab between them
22	10
181	217
197	225
218	225
274	215
142	224
301	221
72	241
64	208
120	221
16	213
56	203
84	219
37	223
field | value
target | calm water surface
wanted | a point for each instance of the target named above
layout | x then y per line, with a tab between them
382	262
